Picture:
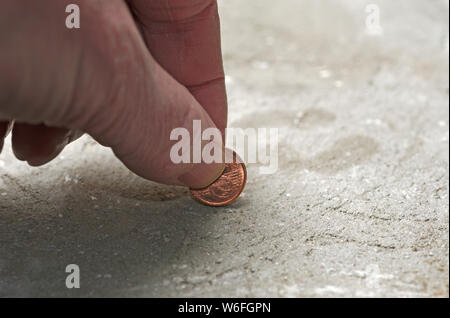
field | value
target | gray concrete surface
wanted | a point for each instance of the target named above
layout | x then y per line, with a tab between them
359	206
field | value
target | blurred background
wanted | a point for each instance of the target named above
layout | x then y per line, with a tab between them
358	207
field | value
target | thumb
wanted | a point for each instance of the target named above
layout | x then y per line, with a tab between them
139	133
146	103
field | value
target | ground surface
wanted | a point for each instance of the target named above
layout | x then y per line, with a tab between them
359	206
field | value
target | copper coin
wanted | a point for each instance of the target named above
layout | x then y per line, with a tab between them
227	188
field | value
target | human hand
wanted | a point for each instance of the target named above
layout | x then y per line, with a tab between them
121	78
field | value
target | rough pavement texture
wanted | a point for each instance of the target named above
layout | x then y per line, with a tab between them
359	206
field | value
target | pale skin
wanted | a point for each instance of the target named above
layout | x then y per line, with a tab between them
135	70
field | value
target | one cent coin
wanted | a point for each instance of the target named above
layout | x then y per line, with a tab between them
227	188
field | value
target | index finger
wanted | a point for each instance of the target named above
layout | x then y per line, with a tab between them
184	37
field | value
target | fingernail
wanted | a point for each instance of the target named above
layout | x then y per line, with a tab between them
63	144
202	175
10	127
7	130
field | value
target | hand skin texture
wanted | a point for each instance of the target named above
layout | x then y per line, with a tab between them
135	70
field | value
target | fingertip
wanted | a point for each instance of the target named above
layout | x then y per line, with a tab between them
202	175
38	144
